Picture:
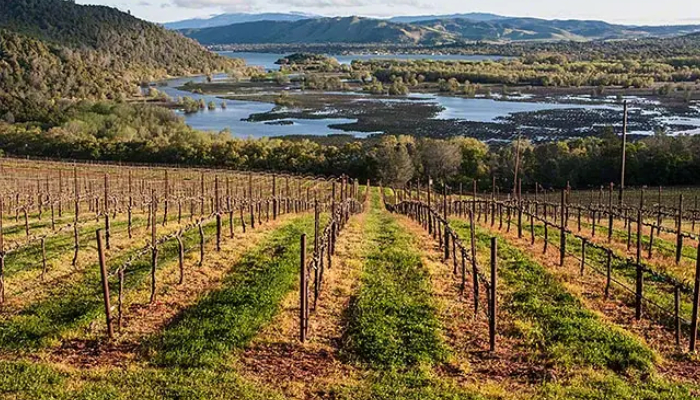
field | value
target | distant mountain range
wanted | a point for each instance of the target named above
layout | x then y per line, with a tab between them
422	30
321	30
229	19
238	18
479	17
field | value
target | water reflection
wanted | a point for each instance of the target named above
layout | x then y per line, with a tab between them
267	60
480	110
236	111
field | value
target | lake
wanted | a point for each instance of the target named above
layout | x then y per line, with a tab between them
646	114
267	60
236	111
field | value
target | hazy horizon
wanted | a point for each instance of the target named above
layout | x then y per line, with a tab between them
645	12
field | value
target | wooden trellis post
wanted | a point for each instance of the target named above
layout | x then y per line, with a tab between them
218	213
610	212
201	243
463	285
696	304
520	209
129	207
303	291
475	272
60	192
608	273
201	198
180	257
677	312
583	255
444	215
562	238
77	212
679	228
274	197
154	246
105	285
2	253
430	218
493	302
640	272
106	211
44	267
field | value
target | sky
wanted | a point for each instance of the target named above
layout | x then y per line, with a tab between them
634	12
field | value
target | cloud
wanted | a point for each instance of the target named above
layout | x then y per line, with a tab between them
144	4
347	3
230	5
248	5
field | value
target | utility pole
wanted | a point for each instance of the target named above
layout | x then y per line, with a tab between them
517	167
624	153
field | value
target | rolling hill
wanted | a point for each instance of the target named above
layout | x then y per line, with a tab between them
235	18
426	31
321	30
239	18
520	29
470	16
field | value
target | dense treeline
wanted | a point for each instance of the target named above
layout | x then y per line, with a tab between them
54	50
543	69
144	133
36	77
637	49
586	162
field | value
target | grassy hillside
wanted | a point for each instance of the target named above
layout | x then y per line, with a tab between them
323	30
425	31
519	29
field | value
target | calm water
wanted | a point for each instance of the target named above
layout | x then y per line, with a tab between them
267	60
236	111
458	108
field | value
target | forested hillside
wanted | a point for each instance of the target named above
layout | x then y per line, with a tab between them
34	75
128	39
54	49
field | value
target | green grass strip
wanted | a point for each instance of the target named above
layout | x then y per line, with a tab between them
392	319
419	383
17	228
661	246
22	380
655	289
603	386
29	257
555	320
77	303
231	316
